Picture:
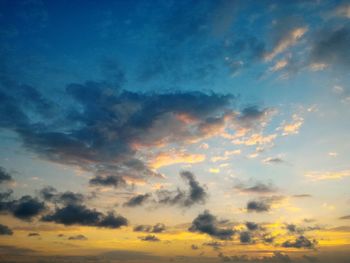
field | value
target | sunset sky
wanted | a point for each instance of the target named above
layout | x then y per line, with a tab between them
175	131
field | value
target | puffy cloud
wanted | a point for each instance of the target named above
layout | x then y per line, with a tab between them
25	208
208	224
4	176
245	237
300	242
76	214
252	226
292	127
5	230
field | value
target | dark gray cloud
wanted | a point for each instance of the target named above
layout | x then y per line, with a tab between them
78	237
137	200
208	224
24	208
245	237
259	188
252	226
302	196
195	195
258	206
5	230
157	228
263	204
4	176
101	129
109	180
330	47
50	194
76	214
251	116
150	238
300	242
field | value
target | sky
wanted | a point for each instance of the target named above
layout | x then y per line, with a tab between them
174	131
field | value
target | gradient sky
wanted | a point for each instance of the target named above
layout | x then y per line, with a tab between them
174	131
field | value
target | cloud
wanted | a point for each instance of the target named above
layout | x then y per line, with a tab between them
245	237
5	230
345	217
4	176
76	214
331	175
342	10
157	228
300	242
263	204
208	224
330	47
137	200
33	234
24	208
302	196
78	237
286	40
174	157
150	238
292	127
108	180
195	195
258	188
50	194
194	247
273	160
252	226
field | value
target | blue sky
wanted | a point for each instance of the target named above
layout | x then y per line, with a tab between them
194	115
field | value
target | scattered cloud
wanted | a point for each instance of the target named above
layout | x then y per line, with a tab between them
150	238
5	230
208	224
331	175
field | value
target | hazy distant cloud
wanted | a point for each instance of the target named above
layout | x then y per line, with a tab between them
300	242
345	217
33	234
258	188
78	237
327	175
273	160
302	196
5	230
76	214
157	228
208	224
137	200
151	238
4	176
